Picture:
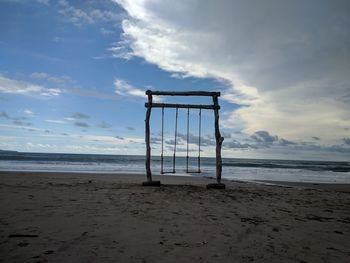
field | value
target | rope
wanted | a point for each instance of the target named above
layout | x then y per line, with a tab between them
161	157
177	112
188	132
199	140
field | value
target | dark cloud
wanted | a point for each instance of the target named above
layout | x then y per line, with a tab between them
207	140
284	142
237	145
130	128
172	142
156	139
104	125
226	135
3	114
263	137
119	137
78	115
21	123
316	138
81	124
180	149
346	141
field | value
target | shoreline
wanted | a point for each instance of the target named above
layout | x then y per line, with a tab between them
171	179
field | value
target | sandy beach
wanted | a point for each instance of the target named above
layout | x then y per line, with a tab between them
66	217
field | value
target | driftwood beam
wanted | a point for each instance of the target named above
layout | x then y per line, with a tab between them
183	93
182	106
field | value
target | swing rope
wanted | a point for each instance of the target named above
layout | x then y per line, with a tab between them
161	157
174	157
188	132
199	140
188	141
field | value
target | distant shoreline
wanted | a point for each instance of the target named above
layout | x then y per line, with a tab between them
181	179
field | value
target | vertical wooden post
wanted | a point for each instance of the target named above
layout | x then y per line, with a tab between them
218	139
148	146
147	137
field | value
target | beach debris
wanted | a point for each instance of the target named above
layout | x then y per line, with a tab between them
23	244
253	220
319	218
216	186
21	235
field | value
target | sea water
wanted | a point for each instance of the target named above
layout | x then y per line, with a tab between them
233	168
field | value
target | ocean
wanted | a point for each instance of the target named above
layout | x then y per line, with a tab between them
233	168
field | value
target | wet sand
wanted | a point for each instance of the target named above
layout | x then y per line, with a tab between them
66	217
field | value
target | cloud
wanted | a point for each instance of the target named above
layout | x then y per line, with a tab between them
3	114
79	115
21	123
44	2
88	15
346	141
59	85
104	125
286	64
315	138
81	124
15	120
51	78
119	137
123	88
130	128
237	145
263	136
12	86
56	121
106	32
28	112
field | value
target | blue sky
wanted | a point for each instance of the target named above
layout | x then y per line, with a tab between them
73	75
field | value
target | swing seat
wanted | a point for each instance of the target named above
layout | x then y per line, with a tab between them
194	171
168	172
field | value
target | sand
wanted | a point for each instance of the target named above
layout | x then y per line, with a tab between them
56	217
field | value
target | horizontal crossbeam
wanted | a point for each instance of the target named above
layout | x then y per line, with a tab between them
181	106
183	93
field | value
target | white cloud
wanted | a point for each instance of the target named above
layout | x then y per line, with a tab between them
29	112
125	89
88	15
287	64
106	32
12	86
56	121
51	78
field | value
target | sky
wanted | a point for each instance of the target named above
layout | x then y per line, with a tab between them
73	75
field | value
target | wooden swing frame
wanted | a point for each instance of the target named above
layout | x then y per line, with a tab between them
219	140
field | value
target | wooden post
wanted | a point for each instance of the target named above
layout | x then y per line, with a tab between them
148	146
219	141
